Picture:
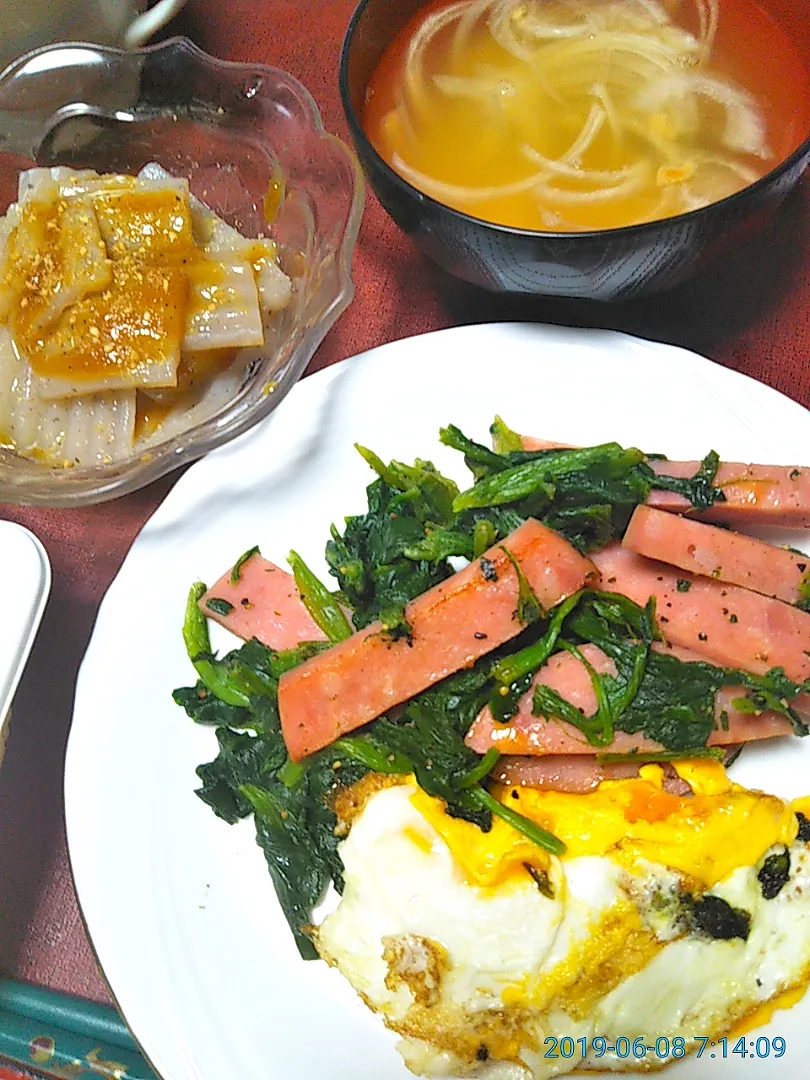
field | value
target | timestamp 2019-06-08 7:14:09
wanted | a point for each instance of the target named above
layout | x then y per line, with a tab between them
664	1049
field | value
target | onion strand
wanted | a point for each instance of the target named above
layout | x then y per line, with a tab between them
641	81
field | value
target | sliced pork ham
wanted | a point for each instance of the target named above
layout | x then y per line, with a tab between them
754	494
536	736
774	495
578	775
726	624
264	603
452	625
718	553
528	442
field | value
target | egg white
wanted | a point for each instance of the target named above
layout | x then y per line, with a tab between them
396	888
701	987
451	965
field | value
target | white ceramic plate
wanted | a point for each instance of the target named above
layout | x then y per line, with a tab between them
27	582
179	905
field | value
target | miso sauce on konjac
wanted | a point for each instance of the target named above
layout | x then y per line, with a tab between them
562	115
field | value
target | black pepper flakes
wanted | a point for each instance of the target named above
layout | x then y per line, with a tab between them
541	880
482	1053
703	637
488	569
479	636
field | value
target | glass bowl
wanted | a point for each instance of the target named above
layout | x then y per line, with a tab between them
610	264
233	130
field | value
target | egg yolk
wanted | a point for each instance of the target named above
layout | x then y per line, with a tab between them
763	1014
705	835
486	859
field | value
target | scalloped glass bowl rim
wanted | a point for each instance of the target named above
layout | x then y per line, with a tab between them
102	483
434	204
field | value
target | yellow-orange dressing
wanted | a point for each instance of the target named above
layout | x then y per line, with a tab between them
274	196
195	368
134	317
150	415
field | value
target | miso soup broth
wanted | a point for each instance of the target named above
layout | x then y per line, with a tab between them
568	115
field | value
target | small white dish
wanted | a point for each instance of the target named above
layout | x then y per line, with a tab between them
27	573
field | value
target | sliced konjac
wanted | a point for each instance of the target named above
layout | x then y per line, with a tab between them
452	625
718	553
114	301
85	431
527	734
724	623
263	603
777	495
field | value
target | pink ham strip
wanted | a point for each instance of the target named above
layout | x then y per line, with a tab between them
577	775
266	605
537	736
452	625
717	553
755	494
528	442
726	624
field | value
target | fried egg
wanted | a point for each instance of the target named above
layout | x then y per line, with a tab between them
666	916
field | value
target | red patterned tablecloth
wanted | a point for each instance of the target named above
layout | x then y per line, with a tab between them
751	313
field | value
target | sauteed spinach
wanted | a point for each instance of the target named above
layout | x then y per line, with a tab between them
418	520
